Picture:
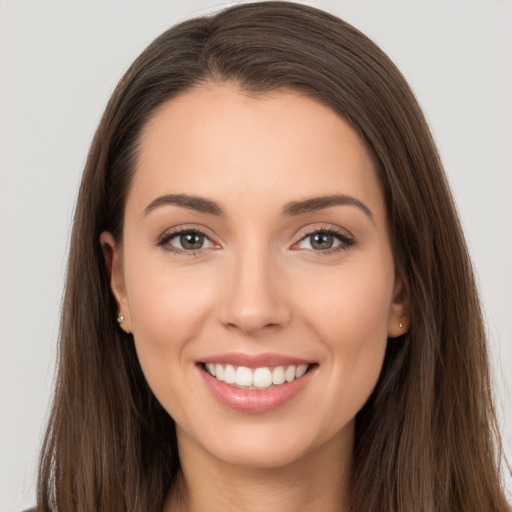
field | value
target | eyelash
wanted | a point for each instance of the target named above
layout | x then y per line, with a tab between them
346	241
163	241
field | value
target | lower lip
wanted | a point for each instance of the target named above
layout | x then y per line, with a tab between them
253	400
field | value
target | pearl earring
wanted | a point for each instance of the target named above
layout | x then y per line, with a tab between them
401	325
120	320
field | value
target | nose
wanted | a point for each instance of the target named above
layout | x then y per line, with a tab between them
254	297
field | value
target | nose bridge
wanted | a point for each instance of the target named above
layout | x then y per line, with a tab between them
254	297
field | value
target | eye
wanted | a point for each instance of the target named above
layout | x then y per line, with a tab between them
188	240
324	240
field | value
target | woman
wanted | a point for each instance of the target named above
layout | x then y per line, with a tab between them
269	301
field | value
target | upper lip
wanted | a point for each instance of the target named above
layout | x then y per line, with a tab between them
255	361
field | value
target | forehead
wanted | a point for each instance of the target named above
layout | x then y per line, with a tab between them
218	140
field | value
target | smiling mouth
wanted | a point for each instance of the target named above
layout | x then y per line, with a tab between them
261	378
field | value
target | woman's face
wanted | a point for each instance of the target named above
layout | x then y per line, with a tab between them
256	247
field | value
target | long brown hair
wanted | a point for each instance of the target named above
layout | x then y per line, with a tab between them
426	440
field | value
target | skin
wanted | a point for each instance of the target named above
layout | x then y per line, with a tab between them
258	285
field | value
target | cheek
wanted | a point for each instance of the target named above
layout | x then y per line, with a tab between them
349	316
350	307
168	309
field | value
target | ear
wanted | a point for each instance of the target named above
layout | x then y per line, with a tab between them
399	313
114	264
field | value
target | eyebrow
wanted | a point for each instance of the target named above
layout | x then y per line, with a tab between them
319	203
200	204
294	208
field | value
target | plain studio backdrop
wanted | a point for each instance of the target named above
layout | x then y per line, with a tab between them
59	62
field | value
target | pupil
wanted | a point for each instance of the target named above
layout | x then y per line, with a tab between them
192	241
321	241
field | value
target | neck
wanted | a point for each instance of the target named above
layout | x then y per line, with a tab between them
317	481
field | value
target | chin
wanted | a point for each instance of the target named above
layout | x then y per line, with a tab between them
264	446
263	455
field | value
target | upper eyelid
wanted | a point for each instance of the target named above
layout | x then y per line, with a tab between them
172	232
345	238
335	230
163	241
301	235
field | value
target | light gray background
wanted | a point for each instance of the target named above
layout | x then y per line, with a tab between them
59	62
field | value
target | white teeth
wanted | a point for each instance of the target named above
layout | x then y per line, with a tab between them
301	370
229	374
289	374
257	378
278	375
211	368
243	376
262	378
219	372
